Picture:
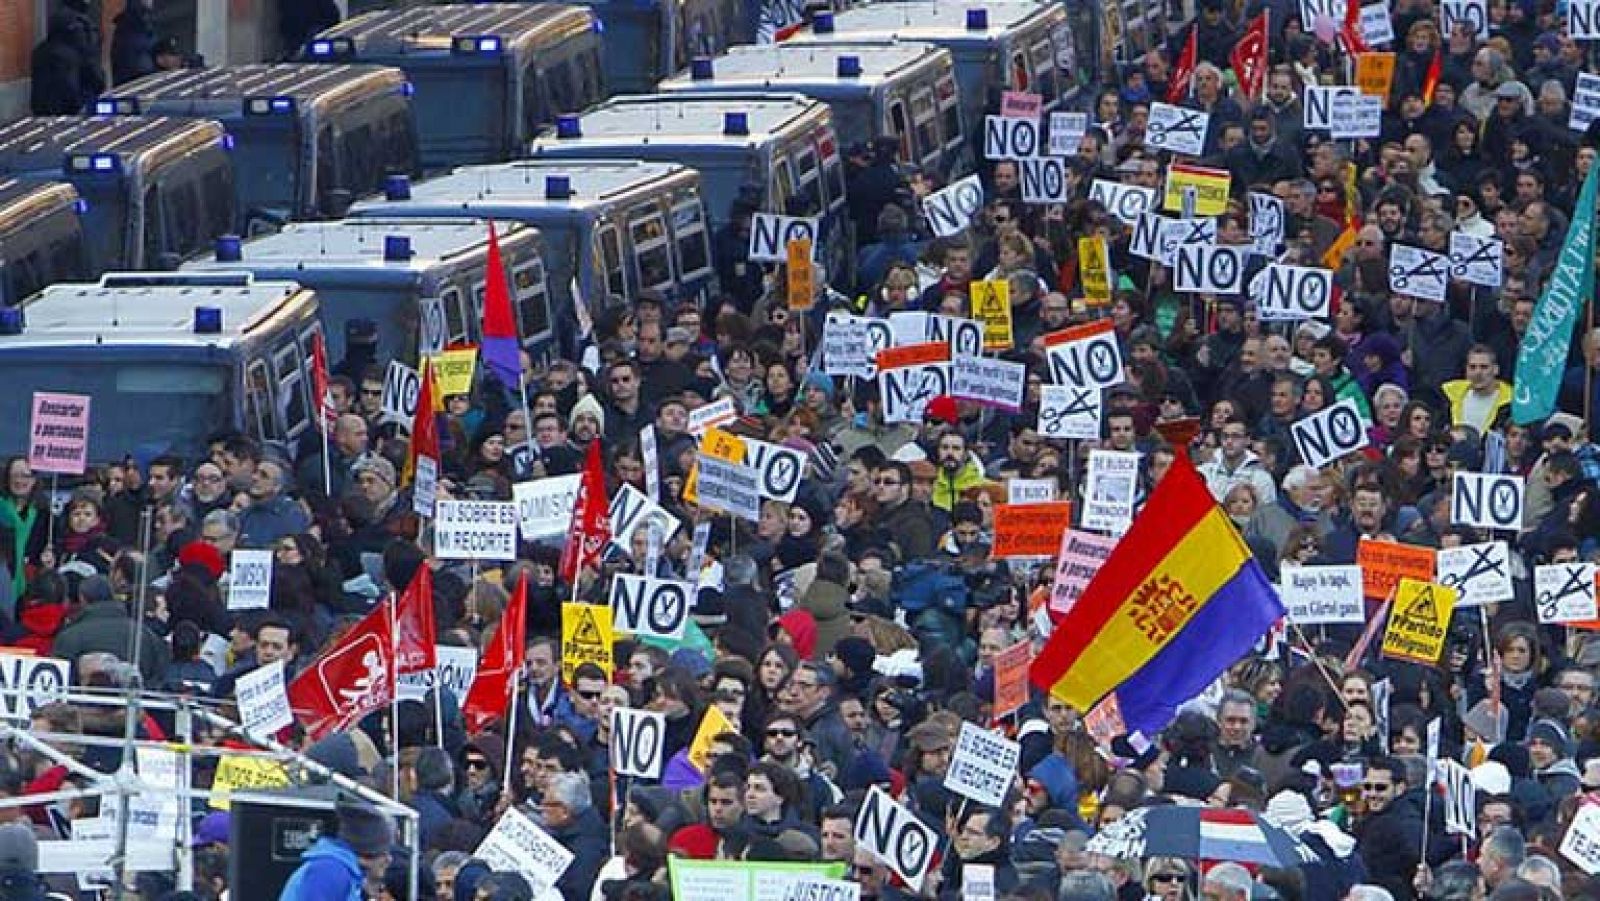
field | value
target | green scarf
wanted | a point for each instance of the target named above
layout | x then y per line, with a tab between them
21	526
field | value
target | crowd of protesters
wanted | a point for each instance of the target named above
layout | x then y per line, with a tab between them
849	633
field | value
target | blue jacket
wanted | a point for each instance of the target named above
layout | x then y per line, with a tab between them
328	871
263	523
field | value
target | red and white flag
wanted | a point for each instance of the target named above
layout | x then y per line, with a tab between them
502	660
1183	72
1249	57
591	519
319	380
352	679
1355	40
414	622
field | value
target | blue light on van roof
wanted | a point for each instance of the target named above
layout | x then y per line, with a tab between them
598	26
736	124
977	19
207	320
229	249
822	23
849	67
11	321
331	48
227	141
397	248
557	187
268	106
407	89
397	187
701	68
320	48
475	44
568	126
116	106
100	163
81	205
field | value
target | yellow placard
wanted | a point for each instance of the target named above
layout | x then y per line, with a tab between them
714	443
1375	74
991	305
1210	189
1419	621
586	637
453	369
238	773
1094	268
802	276
713	724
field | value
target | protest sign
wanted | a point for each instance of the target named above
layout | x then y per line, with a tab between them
1011	679
1564	592
475	530
1492	501
1581	844
1126	202
1007	138
719	412
909	377
1317	104
1585	102
1377	25
1480	261
1293	292
638	738
892	834
1418	272
1178	129
1086	356
1322	594
456	669
1328	435
249	579
771	233
1109	492
983	765
1473	14
977	882
1020	104
1418	621
729	487
434	327
1209	186
1480	573
1094	262
845	348
263	703
1583	20
1066	411
991	305
1209	269
1045	180
991	383
1375	74
58	434
1081	556
1030	491
1384	563
453	370
739	880
802	277
544	506
778	469
1266	223
643	605
1172	234
402	385
586	637
712	724
630	509
1460	799
1066	133
516	844
1030	530
237	772
28	683
950	211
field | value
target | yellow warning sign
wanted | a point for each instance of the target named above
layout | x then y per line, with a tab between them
991	305
1094	265
453	370
237	772
586	637
1419	621
713	724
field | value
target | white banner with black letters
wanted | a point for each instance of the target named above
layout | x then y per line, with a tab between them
1329	434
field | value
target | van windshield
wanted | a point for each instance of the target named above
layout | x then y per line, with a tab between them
141	407
465	110
267	165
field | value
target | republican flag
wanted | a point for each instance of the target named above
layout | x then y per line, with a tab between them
350	680
319	379
499	346
502	661
414	622
591	519
1249	57
1183	72
1177	602
1430	81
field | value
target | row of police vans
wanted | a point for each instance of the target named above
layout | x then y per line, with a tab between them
362	178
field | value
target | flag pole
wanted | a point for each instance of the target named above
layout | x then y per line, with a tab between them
511	734
327	465
438	710
394	698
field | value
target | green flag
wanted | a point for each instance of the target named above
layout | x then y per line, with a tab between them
1542	359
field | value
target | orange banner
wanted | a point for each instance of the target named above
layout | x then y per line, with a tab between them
1384	563
1011	679
1078	332
914	355
1030	530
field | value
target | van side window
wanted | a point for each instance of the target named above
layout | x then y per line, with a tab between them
610	242
1019	72
150	222
194	205
926	119
828	146
689	230
528	289
478	291
651	252
535	110
810	178
377	142
258	401
901	129
949	108
1044	67
290	390
455	317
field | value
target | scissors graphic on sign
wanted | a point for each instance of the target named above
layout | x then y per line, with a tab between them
1188	123
1574	584
1482	254
1483	563
1400	276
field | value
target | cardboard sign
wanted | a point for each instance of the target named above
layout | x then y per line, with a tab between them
630	509
453	371
58	434
730	487
1030	530
240	773
1066	132
771	233
1294	292
719	412
1006	138
1355	116
1208	186
544	506
965	336
992	383
1585	102
1066	411
991	305
1266	223
402	385
1209	269
1418	272
1176	128
644	605
1460	799
263	702
456	669
1045	180
1384	563
249	579
475	530
1377	25
1480	261
910	377
1109	491
1487	501
1581	844
1094	267
983	765
1126	202
1318	100
802	279
845	347
1085	356
1322	594
1564	592
1082	555
1480	573
1419	621
586	637
1375	74
638	738
712	724
1021	104
738	880
950	211
1030	491
1330	434
1583	20
28	683
1011	679
893	835
1474	14
516	844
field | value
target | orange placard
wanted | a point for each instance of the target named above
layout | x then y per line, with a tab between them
1078	332
1011	679
1375	74
1030	530
1384	563
802	277
1104	722
914	355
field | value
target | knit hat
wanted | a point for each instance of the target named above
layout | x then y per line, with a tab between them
213	829
856	653
1289	809
376	465
94	590
206	556
691	661
1492	778
696	842
1488	723
942	408
822	382
1549	733
865	770
337	752
588	406
367	831
19	847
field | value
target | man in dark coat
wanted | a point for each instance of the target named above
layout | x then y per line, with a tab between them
66	65
1390	834
570	818
133	43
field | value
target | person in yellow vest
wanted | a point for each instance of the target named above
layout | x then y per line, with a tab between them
957	471
1478	399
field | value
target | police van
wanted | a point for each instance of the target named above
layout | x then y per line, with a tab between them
662	36
307	139
779	151
615	228
41	238
487	75
397	273
998	45
165	359
906	89
153	190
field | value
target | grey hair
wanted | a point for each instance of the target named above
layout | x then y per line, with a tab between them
1390	388
1540	871
1455	881
571	790
740	570
1085	886
1232	877
1300	476
224	518
1507	845
1553	88
449	860
1235	696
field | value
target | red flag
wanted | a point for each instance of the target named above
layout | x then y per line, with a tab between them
319	379
1431	80
1249	57
414	618
424	429
502	660
1178	81
498	346
591	519
352	679
1354	40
